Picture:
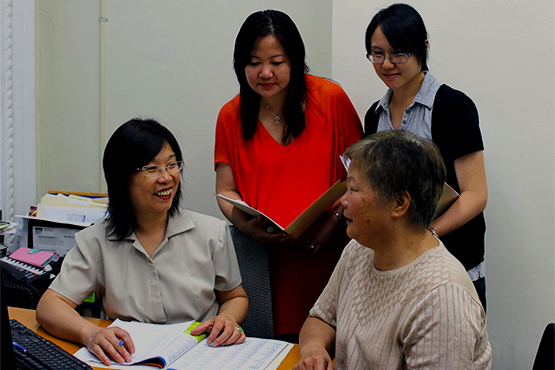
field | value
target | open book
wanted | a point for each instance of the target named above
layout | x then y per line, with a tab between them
173	347
305	219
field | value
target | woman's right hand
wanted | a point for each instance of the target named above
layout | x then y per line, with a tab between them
257	229
314	357
57	315
113	341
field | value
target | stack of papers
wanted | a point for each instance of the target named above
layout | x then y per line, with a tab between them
72	209
58	218
7	227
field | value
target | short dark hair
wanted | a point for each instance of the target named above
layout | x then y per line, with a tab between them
395	162
258	25
133	145
404	28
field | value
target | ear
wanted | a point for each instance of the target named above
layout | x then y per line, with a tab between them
402	205
427	44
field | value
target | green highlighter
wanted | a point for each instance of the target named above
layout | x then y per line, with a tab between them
197	337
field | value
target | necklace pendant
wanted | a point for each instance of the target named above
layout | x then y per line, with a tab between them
277	119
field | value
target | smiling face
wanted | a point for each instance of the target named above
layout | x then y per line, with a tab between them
151	196
269	70
395	76
367	218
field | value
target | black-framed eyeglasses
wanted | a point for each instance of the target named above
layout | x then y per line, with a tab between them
152	171
393	58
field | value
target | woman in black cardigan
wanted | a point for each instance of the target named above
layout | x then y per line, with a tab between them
397	46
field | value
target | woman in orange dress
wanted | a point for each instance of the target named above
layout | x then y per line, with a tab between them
277	148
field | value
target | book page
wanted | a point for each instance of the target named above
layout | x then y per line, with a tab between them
248	209
305	219
165	342
254	353
117	366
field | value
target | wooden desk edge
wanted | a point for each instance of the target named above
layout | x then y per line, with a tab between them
27	318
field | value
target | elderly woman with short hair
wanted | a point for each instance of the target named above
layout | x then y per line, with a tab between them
397	298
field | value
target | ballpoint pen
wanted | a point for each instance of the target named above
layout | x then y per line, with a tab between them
19	347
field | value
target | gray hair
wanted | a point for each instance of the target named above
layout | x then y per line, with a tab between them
395	162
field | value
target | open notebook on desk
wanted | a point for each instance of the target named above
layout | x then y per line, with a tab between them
172	347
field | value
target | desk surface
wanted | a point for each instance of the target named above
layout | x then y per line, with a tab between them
27	318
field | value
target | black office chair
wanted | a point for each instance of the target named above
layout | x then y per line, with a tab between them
545	357
253	263
22	295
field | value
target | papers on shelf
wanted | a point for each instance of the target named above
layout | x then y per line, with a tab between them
58	218
74	209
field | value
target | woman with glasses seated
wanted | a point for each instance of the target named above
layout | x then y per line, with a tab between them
397	46
150	261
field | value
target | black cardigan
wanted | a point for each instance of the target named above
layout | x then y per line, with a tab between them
456	132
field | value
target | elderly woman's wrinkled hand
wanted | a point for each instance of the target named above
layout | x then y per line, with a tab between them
223	331
112	341
314	357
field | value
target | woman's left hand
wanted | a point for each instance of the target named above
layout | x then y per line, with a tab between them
223	328
223	331
317	235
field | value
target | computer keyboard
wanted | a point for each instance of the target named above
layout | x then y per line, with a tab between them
35	352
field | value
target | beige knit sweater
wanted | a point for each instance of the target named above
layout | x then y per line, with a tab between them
425	315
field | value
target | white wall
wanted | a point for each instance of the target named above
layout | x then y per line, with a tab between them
500	53
17	102
172	61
